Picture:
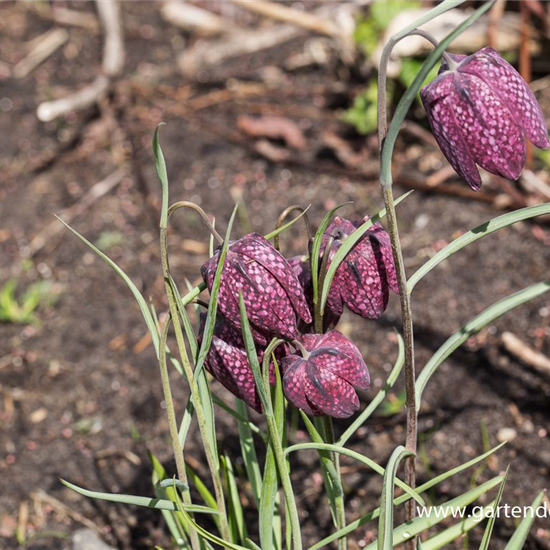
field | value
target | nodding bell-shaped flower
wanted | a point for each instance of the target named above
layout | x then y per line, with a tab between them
271	291
363	280
479	108
323	379
302	268
228	363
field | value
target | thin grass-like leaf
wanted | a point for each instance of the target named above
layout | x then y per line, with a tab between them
174	520
240	418
522	532
146	502
411	529
236	515
275	436
477	233
347	245
248	451
380	396
475	325
441	540
360	458
206	534
284	227
492	518
207	497
403	498
330	475
316	247
213	304
142	303
385	524
162	174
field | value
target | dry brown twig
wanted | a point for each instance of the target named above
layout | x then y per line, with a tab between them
193	18
41	48
95	192
113	62
525	353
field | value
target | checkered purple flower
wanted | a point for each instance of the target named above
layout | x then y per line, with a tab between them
228	363
363	280
271	291
323	379
479	110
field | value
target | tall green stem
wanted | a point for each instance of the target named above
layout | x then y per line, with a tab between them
172	423
193	386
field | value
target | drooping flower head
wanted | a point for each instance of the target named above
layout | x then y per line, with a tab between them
322	380
271	291
301	266
363	280
227	361
479	110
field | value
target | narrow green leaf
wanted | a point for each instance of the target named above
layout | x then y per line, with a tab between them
385	524
477	233
236	514
403	498
522	532
146	502
328	470
174	520
475	325
253	427
162	174
491	523
411	529
248	451
206	534
149	321
347	245
316	247
441	540
360	458
284	227
380	396
206	495
428	16
267	501
252	545
213	305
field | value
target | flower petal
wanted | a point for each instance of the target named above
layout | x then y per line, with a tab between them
294	368
341	357
488	127
384	252
448	134
512	90
363	290
255	247
329	393
230	366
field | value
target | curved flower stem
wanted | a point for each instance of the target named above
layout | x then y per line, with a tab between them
178	451
211	457
283	217
383	77
200	212
404	296
318	312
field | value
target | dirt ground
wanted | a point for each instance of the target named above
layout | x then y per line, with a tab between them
81	396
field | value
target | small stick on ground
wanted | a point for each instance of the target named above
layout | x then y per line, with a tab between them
96	192
113	62
44	46
525	353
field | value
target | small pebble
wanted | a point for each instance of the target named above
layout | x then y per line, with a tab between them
506	434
